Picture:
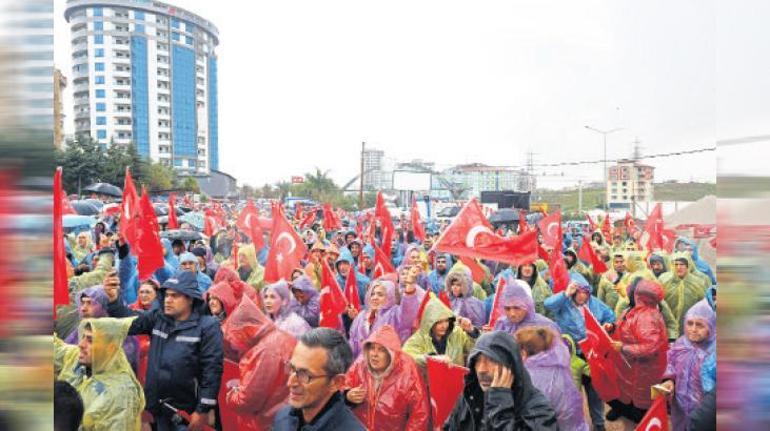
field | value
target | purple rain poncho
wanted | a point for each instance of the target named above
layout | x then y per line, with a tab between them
311	310
465	305
685	359
399	316
551	374
284	318
518	293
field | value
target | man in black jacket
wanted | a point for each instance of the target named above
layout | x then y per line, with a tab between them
498	392
185	359
316	376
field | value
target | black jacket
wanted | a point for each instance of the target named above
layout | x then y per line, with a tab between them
335	416
522	407
185	358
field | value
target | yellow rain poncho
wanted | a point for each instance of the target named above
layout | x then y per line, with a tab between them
112	397
420	344
78	252
249	255
681	293
92	278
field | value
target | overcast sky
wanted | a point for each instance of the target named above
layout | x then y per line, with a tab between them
302	83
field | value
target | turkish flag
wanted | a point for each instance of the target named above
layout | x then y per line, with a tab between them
331	220
298	214
496	313
286	249
351	289
477	272
542	253
60	291
332	302
606	226
230	371
424	303
419	230
471	234
248	221
65	204
656	418
550	228
382	263
172	221
654	229
129	210
443	297
386	223
597	348
629	223
147	248
588	255
308	220
209	225
558	270
591	224
522	222
445	385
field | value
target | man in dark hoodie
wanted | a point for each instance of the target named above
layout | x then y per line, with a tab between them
498	393
658	264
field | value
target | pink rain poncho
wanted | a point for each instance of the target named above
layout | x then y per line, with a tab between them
400	316
518	293
550	373
465	304
285	319
685	359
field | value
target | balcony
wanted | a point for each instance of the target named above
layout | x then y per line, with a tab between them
85	114
81	32
79	46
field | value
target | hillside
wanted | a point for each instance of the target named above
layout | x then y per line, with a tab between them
592	197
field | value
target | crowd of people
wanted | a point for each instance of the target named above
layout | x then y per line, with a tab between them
206	343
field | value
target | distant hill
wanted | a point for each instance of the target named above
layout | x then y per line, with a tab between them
592	197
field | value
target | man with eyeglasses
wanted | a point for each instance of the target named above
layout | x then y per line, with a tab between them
316	378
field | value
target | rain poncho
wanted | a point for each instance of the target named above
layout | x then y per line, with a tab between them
92	278
550	373
657	257
607	285
685	362
112	397
540	289
569	316
465	305
78	252
422	262
578	267
643	334
636	267
264	351
421	344
396	399
399	316
672	326
284	318
578	366
517	293
681	293
310	310
700	264
436	278
362	281
256	277
238	287
523	407
224	293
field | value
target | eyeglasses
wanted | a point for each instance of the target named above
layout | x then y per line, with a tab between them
303	376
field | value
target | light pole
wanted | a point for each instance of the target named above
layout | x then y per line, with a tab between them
604	133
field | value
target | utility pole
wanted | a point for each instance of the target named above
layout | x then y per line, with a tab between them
361	179
604	133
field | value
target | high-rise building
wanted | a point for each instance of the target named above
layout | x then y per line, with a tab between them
628	182
373	168
145	72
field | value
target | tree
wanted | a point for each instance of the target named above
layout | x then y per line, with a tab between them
283	189
82	163
159	177
117	157
190	185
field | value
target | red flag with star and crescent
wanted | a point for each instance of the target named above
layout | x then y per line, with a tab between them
496	309
351	289
417	227
630	224
60	288
129	210
550	228
382	264
588	255
656	418
332	302
470	234
173	223
286	249
147	248
597	348
248	221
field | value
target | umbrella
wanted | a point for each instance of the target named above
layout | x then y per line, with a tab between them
162	209
194	218
95	202
184	235
84	208
505	215
71	221
105	189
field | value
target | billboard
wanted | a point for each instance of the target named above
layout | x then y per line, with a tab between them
407	180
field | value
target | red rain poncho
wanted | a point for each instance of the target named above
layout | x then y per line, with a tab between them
398	400
264	351
645	343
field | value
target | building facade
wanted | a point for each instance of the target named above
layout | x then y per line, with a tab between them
628	182
373	169
145	72
478	177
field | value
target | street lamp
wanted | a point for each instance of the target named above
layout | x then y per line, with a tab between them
604	133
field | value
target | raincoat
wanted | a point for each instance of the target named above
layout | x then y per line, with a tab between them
672	326
700	264
569	316
685	362
397	399
578	366
540	289
606	286
362	281
421	344
224	293
517	293
523	407
311	310
264	351
92	278
550	373
580	268
399	316
681	293
256	278
112	397
78	252
658	257
643	333
436	279
368	250
465	305
284	318
238	287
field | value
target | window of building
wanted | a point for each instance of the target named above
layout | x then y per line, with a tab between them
178	163
188	40
101	121
98	11
174	23
98	25
121	13
101	134
99	67
99	93
139	28
98	39
175	36
139	15
191	163
99	79
101	107
99	52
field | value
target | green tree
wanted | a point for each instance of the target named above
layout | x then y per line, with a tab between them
159	177
189	184
82	163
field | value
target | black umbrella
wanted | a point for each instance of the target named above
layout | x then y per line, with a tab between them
84	208
162	210
184	235
105	189
505	215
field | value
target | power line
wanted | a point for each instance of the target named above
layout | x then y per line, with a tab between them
589	162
